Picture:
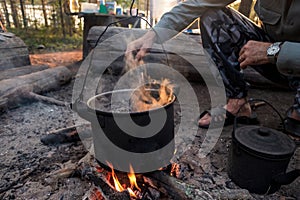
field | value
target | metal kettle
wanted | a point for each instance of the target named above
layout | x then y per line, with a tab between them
259	157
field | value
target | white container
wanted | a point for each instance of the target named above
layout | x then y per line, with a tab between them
89	7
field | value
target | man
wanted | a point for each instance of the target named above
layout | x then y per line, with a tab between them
235	43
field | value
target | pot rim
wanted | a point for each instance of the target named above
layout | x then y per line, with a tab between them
102	112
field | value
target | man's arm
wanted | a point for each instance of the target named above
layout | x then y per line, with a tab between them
171	23
186	12
288	61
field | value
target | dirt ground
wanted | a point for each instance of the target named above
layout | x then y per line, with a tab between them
56	59
27	166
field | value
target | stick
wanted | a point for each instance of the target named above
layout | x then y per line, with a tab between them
65	135
51	100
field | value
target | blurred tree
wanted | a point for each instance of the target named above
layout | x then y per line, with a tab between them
44	2
23	14
62	23
4	5
124	3
14	13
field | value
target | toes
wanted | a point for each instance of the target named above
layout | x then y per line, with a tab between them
204	120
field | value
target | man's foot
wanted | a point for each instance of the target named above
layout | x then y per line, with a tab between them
295	115
233	106
292	123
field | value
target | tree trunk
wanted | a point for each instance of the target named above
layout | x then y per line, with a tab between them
14	13
44	12
6	14
62	19
16	91
245	7
19	71
23	14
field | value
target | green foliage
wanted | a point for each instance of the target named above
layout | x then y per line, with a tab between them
125	3
52	39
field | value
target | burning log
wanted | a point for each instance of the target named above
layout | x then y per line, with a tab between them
18	90
168	183
95	193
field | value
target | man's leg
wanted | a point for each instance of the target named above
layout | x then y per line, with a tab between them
224	32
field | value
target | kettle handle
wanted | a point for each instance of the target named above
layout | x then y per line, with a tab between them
251	100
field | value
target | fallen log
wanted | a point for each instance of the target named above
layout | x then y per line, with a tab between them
16	91
13	51
19	71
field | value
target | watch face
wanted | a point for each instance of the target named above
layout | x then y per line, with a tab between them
272	50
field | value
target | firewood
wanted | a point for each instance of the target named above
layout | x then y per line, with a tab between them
100	180
95	193
64	135
19	71
16	91
34	96
177	187
169	183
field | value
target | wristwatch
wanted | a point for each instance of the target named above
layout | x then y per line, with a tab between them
273	51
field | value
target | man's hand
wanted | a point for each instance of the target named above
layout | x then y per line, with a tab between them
253	53
142	45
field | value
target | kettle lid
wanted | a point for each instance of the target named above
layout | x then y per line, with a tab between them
265	141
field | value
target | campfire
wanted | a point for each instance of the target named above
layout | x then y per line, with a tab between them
121	187
109	184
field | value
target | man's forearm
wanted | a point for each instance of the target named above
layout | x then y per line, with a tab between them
186	12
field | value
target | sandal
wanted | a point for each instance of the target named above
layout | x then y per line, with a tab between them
291	125
223	117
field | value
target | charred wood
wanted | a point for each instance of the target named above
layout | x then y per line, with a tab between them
64	135
177	189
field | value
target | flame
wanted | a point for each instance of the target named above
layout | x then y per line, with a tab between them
132	179
119	187
142	98
150	97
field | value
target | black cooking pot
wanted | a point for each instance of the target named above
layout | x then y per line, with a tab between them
259	157
111	141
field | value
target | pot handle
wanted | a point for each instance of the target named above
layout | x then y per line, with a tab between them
82	109
285	178
257	100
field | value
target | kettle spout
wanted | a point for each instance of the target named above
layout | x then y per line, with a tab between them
286	178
